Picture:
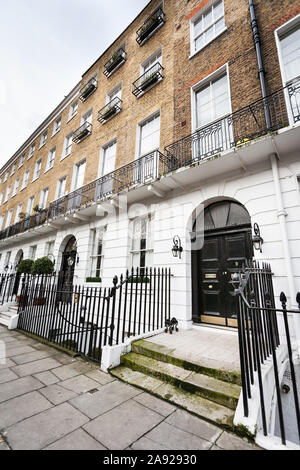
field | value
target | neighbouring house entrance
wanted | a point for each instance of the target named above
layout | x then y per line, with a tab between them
68	266
227	245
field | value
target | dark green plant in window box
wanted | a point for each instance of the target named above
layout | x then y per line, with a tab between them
139	279
93	279
146	82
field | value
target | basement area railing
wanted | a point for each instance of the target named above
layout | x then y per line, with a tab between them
259	340
84	320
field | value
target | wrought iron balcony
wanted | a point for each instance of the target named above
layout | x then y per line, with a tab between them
88	89
155	21
235	130
115	62
110	110
148	79
82	132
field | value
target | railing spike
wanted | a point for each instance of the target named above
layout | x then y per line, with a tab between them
298	299
283	298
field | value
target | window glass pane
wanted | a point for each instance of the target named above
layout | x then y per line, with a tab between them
220	97
199	42
219	25
218	10
198	26
109	158
290	46
150	135
207	19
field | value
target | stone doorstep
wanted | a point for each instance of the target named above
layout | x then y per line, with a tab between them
202	385
201	407
165	354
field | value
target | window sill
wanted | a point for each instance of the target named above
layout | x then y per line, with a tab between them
35	179
48	169
54	133
22	189
41	146
64	156
72	117
207	44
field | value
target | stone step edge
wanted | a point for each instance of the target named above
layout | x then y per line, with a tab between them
163	354
131	361
229	426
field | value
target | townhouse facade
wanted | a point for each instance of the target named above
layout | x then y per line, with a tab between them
183	134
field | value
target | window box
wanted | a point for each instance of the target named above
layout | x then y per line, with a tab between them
82	132
93	280
110	110
148	79
117	59
88	89
152	24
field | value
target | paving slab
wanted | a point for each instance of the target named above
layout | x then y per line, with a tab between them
77	440
45	428
175	438
6	375
189	423
162	407
146	444
111	430
18	387
47	378
80	384
35	367
228	441
5	363
100	376
63	358
17	409
108	397
57	394
71	370
16	351
30	357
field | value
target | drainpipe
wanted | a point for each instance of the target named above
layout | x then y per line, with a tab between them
282	214
261	71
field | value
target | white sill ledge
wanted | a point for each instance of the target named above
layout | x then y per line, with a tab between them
207	44
48	169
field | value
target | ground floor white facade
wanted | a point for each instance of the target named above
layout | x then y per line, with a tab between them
262	176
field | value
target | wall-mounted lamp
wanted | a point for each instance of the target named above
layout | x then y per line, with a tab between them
257	240
71	261
177	248
51	257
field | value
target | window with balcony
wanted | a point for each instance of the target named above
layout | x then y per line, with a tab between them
107	167
18	212
155	21
61	187
56	126
67	148
89	88
43	139
115	62
30	205
44	198
96	259
151	74
50	159
31	151
78	176
149	135
113	105
22	159
13	169
16	187
8	191
8	218
142	243
25	179
207	25
85	128
37	170
73	110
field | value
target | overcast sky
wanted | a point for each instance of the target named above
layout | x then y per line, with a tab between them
45	47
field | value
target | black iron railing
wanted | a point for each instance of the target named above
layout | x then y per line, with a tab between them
9	287
259	340
148	79
115	62
84	320
88	89
152	24
110	110
82	132
239	128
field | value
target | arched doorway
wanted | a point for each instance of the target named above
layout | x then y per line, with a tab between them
227	245
68	263
19	257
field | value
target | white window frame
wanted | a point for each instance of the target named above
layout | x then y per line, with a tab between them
224	69
1	197
13	169
30	203
1	221
67	149
43	199
8	218
56	126
96	235
195	18
32	252
6	177
59	181
37	170
48	246
75	173
50	162
16	187
43	140
25	179
18	212
7	194
31	151
102	155
149	250
156	54
113	93
139	134
71	110
22	159
87	117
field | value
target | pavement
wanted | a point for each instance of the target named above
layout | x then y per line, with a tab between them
51	401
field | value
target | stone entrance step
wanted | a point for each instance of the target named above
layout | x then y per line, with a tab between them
201	407
202	385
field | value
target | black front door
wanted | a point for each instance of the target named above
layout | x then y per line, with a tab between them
223	254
